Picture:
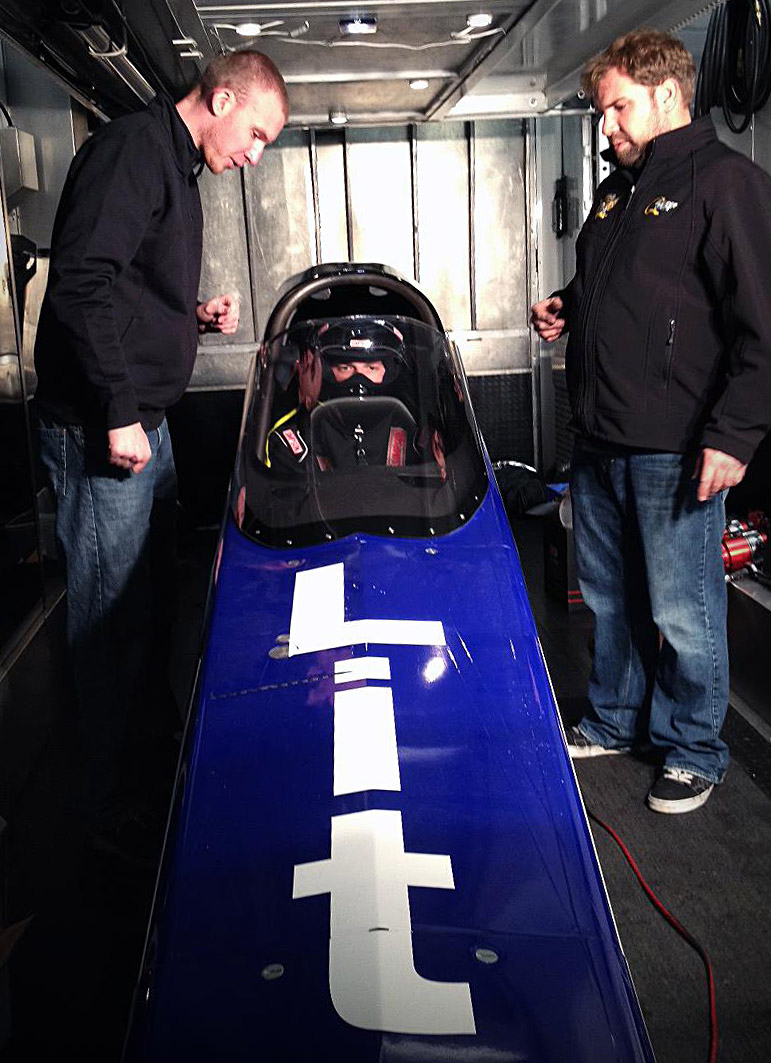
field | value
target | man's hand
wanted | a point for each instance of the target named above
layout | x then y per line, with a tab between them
128	447
219	314
716	471
545	318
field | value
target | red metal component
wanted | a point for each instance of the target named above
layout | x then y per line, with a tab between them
740	550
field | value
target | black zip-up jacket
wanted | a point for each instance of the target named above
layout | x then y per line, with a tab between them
117	335
670	308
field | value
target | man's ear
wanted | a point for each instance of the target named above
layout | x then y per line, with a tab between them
668	94
221	101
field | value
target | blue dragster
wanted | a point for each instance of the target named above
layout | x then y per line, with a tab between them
378	852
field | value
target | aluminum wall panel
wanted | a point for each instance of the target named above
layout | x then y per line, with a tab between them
331	178
222	368
499	225
280	221
39	106
33	301
225	264
10	377
443	228
381	197
364	179
548	147
495	351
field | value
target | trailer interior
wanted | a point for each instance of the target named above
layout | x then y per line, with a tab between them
451	142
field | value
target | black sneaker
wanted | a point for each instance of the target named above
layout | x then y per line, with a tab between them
581	746
677	790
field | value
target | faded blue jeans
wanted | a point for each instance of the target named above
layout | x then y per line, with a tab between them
650	569
115	531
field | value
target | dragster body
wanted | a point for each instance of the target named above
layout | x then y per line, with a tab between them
378	852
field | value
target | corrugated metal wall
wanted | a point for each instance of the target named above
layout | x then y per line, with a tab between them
444	204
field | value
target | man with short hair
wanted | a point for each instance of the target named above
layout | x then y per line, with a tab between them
116	343
669	373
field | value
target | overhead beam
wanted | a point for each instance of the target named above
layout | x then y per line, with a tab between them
483	59
565	68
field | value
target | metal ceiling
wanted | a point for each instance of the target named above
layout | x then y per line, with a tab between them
526	62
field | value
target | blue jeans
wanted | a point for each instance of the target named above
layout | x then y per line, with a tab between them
650	569
115	532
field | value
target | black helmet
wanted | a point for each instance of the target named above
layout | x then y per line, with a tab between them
365	340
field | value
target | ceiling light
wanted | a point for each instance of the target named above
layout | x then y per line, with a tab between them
249	29
418	83
358	24
337	116
480	21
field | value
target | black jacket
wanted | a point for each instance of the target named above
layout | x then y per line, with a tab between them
117	335
670	308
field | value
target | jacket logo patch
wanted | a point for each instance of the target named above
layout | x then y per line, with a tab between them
607	205
661	205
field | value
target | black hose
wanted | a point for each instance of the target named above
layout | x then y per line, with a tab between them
735	70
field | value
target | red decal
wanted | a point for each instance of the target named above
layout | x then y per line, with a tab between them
397	447
294	443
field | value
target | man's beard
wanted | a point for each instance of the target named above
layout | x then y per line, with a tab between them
629	154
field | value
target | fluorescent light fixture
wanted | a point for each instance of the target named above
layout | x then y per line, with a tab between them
418	84
249	29
358	24
337	116
480	21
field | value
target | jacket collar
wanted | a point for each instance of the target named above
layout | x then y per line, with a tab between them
683	141
186	154
672	145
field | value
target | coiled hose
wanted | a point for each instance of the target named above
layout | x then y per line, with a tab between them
735	70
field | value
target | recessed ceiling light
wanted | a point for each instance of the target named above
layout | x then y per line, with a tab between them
249	29
418	83
337	116
480	21
358	24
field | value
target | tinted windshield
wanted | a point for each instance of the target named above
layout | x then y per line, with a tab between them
357	424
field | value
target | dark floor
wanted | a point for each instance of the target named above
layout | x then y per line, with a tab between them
73	969
711	868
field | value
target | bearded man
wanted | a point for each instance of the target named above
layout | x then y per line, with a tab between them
669	373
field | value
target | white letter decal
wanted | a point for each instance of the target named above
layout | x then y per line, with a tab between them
372	976
366	756
318	618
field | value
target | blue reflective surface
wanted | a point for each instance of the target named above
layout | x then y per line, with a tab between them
484	776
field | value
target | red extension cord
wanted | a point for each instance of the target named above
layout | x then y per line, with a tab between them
712	1054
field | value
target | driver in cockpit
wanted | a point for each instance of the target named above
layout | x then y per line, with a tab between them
335	426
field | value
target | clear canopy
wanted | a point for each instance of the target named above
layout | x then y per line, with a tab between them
357	423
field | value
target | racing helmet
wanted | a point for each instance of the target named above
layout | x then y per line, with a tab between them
371	341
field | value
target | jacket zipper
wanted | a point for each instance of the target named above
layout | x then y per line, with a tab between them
592	314
670	345
590	318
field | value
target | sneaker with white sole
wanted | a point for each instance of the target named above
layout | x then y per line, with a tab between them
581	746
677	790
